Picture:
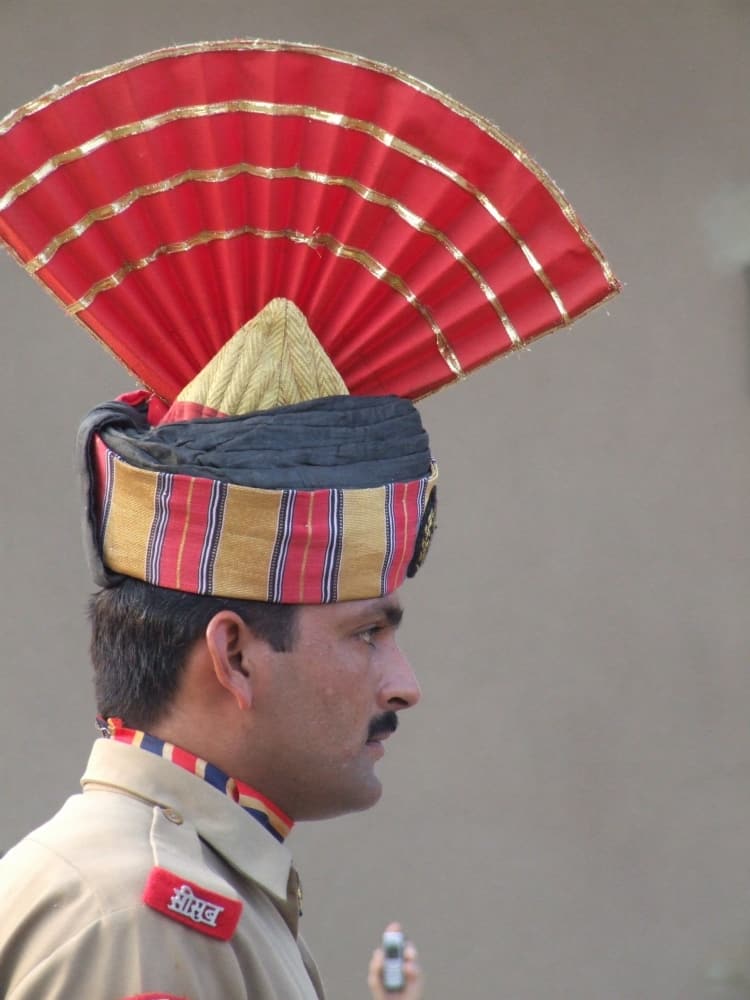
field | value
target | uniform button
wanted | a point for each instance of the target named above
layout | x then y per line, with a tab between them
172	815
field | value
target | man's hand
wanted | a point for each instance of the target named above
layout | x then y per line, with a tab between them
414	988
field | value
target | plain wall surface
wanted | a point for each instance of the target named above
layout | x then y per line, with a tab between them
566	813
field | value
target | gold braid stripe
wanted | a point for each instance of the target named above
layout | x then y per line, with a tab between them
286	110
333	55
318	240
220	174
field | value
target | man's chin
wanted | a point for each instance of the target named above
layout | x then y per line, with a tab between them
362	798
356	800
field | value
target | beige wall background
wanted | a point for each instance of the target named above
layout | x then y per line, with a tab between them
566	815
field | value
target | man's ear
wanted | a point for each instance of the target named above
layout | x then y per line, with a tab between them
229	642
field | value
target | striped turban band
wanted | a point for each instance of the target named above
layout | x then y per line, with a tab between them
327	500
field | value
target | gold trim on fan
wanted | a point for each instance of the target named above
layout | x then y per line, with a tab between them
349	59
286	110
325	240
221	174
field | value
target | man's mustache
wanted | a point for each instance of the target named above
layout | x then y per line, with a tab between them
382	725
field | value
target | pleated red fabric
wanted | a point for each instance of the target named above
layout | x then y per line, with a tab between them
165	200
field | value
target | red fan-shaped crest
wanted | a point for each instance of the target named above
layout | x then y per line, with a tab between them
167	199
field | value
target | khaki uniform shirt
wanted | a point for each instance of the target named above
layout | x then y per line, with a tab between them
84	917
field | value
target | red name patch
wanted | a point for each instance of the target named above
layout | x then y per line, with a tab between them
192	905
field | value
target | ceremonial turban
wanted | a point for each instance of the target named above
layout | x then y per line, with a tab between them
287	246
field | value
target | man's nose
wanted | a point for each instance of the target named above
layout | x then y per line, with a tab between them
401	687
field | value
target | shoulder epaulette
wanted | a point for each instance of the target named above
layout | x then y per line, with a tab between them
191	904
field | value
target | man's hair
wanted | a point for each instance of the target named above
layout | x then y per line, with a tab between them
141	636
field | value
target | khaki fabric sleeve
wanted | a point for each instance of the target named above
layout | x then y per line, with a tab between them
127	953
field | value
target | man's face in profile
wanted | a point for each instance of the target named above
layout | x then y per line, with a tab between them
327	705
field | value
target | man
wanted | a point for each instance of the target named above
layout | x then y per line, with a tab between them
227	719
287	245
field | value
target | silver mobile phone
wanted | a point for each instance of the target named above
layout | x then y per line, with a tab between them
393	961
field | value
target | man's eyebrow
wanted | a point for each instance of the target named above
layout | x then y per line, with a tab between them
380	610
393	615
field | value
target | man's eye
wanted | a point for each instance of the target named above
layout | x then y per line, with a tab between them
368	634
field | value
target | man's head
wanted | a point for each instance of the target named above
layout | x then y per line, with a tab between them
293	700
296	524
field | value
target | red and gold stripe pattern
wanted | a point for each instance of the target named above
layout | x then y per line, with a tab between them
268	815
287	546
167	199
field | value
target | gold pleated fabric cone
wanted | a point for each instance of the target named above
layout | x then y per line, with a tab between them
274	360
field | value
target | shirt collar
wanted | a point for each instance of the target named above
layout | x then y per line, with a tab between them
236	837
278	824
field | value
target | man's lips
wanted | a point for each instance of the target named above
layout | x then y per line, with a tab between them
377	739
